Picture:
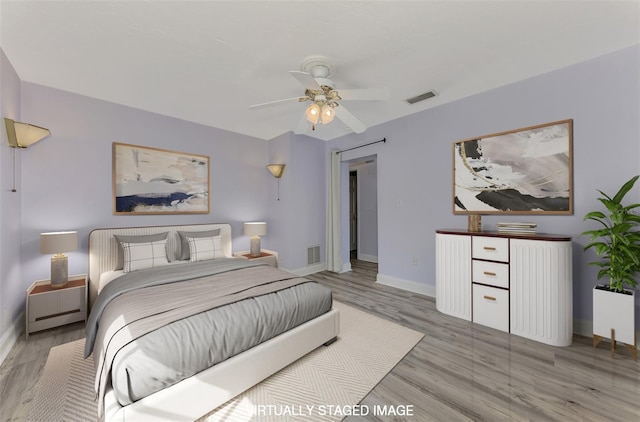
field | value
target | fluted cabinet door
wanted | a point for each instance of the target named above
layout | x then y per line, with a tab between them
541	291
453	275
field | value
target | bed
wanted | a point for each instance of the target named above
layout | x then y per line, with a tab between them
285	317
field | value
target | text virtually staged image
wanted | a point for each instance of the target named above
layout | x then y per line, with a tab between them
335	211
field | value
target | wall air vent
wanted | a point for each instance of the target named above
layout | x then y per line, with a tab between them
422	97
313	255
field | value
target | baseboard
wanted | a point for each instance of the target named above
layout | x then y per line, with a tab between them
368	258
307	270
409	285
10	336
583	327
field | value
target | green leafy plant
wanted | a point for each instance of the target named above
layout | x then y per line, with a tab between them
617	242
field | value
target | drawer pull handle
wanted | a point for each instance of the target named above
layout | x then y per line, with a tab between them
489	273
489	297
489	248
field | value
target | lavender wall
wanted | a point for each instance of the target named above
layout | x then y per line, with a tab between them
11	288
298	219
67	178
414	166
279	230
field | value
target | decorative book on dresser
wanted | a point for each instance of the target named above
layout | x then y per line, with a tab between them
518	283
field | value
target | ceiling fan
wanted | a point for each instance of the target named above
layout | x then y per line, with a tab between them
324	96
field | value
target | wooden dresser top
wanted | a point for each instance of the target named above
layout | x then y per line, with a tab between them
515	235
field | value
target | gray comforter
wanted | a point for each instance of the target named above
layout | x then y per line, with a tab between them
152	328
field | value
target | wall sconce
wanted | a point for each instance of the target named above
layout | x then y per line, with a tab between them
22	135
56	243
276	170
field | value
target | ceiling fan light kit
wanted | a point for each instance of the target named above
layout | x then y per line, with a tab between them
324	97
320	112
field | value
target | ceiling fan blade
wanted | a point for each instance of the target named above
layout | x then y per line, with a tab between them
305	79
366	94
349	119
302	126
271	103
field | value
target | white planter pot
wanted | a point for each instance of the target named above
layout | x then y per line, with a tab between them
614	310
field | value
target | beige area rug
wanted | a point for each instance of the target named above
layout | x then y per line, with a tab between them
322	386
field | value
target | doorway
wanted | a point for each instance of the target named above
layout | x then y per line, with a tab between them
353	214
363	209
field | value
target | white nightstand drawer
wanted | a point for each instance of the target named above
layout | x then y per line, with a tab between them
71	299
491	307
490	248
491	273
42	305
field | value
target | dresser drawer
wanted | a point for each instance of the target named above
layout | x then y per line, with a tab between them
490	248
491	273
491	307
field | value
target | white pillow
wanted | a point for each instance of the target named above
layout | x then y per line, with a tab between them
138	256
203	248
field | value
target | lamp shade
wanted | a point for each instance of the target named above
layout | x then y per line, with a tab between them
276	170
21	135
58	242
313	113
327	114
257	228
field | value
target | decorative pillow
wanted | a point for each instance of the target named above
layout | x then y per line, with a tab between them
134	239
203	248
183	253
138	256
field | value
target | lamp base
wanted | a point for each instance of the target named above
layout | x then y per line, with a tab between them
255	246
59	271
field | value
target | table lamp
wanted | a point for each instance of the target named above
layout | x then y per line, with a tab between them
255	230
56	243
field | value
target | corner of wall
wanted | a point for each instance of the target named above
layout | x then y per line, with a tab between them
10	336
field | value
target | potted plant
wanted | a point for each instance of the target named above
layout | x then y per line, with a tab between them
617	243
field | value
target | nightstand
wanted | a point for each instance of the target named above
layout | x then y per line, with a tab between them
266	256
48	307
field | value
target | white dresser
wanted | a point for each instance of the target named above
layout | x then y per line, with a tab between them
520	284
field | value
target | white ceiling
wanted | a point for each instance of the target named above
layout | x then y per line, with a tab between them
207	61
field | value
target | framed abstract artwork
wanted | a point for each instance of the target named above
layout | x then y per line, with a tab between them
158	181
522	171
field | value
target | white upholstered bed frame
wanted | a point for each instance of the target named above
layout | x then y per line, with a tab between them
194	397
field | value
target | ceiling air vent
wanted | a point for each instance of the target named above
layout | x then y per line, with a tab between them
422	97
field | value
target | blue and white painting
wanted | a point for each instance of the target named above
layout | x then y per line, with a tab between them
526	171
156	181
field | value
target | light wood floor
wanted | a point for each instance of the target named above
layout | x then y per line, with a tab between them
458	372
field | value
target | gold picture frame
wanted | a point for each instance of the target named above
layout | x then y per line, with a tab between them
149	181
521	171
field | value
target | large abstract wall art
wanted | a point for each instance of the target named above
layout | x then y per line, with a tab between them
523	171
157	181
